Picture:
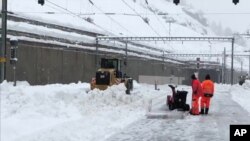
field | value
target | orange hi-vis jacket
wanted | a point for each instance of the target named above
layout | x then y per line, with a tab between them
196	87
208	87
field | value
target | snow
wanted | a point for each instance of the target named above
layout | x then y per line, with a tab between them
24	27
235	17
68	112
241	94
71	112
125	19
13	39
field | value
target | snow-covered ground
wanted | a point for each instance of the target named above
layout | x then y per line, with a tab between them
69	112
72	112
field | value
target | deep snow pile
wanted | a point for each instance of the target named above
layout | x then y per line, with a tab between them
72	112
241	94
69	112
246	85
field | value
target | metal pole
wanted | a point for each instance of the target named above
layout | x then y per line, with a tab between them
3	52
219	78
3	45
155	85
224	66
14	74
126	50
126	55
241	69
232	63
169	28
163	58
249	66
96	53
198	67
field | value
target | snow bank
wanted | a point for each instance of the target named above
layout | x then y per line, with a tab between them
241	94
246	85
50	100
69	112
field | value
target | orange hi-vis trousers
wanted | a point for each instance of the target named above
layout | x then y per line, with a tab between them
205	102
195	105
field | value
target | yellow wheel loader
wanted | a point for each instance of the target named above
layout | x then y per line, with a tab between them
110	74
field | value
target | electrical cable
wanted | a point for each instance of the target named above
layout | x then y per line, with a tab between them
141	17
112	19
131	14
55	6
156	15
72	13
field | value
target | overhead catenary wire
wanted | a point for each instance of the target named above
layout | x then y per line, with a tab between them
60	8
53	7
107	14
156	15
112	19
104	53
76	15
138	14
71	11
141	17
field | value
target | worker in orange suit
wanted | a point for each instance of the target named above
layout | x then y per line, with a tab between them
196	93
208	92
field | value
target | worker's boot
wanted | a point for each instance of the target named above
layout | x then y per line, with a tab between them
206	111
202	111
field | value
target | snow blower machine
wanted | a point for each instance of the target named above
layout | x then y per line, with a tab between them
110	74
177	100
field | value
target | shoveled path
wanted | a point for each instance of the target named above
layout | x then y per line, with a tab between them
176	127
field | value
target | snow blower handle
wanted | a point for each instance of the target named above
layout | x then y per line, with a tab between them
171	86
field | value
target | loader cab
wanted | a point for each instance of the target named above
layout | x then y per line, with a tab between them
111	64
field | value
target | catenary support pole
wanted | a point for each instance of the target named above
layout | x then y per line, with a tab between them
126	56
126	50
224	67
232	63
3	44
249	66
241	67
96	54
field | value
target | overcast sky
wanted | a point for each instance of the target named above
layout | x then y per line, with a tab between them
214	9
237	17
